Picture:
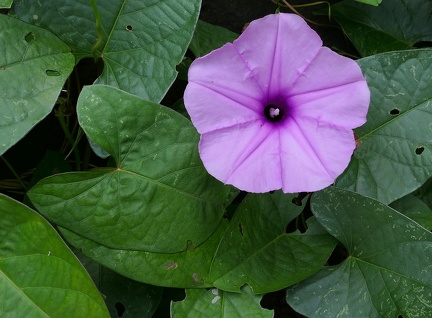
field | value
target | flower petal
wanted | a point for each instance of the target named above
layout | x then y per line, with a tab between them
277	49
246	156
313	154
332	89
221	91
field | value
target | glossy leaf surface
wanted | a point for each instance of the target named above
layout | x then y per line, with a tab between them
39	275
387	272
394	155
127	207
34	65
141	40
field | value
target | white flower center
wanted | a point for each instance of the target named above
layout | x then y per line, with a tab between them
274	112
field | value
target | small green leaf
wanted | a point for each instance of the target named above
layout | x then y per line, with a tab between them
371	2
30	56
387	272
121	293
208	37
218	303
39	276
5	4
143	40
417	205
394	156
394	25
257	251
159	184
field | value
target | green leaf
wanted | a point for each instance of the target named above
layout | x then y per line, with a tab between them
5	4
208	37
28	91
417	205
394	156
158	186
143	40
39	276
188	269
371	2
137	299
394	25
257	251
387	272
218	303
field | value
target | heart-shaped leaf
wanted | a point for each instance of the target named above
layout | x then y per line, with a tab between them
264	256
218	303
387	272
39	275
158	198
34	65
394	156
394	25
142	40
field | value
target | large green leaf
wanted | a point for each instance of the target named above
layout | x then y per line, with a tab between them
142	40
394	156
218	303
394	25
39	275
256	250
387	272
158	198
188	269
34	64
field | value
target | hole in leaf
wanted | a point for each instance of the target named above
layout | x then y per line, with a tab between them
29	37
241	229
419	150
120	309
52	73
129	27
395	112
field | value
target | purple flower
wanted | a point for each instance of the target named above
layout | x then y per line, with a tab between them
275	109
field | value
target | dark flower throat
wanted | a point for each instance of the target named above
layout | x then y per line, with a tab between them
273	113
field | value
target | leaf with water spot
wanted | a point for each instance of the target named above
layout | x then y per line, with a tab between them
388	269
218	303
30	56
142	40
158	198
394	153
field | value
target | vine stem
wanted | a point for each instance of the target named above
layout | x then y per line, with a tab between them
98	28
70	139
14	173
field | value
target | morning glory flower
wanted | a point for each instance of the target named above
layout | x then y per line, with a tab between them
275	109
